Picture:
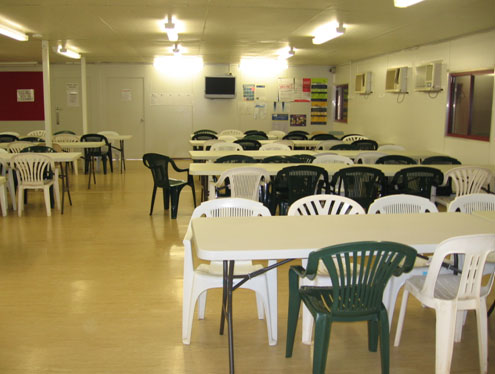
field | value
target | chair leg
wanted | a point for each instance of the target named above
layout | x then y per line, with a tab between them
293	314
20	200
166	198
482	323
444	338
193	191
259	306
174	200
384	341
322	340
153	199
104	162
46	191
400	322
3	199
372	336
202	304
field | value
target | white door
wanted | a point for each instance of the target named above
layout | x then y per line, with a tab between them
124	107
66	105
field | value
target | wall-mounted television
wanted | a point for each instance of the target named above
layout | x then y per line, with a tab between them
220	87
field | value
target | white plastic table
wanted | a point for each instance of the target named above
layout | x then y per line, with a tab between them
277	238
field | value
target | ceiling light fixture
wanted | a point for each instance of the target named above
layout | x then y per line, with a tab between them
14	34
405	3
176	50
68	52
171	30
328	32
286	52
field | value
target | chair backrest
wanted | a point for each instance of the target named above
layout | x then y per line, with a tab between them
307	159
10	133
360	183
325	145
204	131
32	139
277	160
341	147
350	138
274	147
440	160
295	136
391	147
255	132
94	138
204	136
230	207
109	134
66	138
402	203
472	202
38	149
226	146
359	272
61	132
232	132
235	159
298	132
468	179
287	142
158	164
323	137
245	182
228	138
37	133
332	159
316	205
368	157
256	137
365	145
475	249
396	160
8	138
249	144
416	180
32	169
16	147
301	180
276	133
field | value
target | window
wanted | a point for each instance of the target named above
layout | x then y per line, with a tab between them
470	104
341	94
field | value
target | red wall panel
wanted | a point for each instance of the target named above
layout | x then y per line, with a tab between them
10	109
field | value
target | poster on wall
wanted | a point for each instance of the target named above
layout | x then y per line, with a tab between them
302	90
280	121
319	101
285	89
248	92
72	94
298	120
126	94
25	96
260	92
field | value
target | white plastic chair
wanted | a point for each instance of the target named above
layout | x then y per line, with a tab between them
353	138
197	280
226	146
7	172
16	147
210	142
38	133
390	147
276	133
233	132
227	138
326	145
332	159
368	157
31	170
274	147
401	204
244	182
320	205
465	180
451	295
10	133
3	195
472	202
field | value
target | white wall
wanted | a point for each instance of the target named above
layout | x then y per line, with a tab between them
418	119
168	126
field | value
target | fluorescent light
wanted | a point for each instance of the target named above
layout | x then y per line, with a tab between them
286	52
171	30
68	52
178	64
14	34
328	32
405	3
262	66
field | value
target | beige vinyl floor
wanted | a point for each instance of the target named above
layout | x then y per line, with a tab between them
99	290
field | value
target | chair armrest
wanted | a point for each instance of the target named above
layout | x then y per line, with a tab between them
176	168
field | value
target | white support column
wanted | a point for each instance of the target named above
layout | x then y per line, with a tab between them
45	52
84	98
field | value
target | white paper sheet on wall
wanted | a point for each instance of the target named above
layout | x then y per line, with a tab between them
260	111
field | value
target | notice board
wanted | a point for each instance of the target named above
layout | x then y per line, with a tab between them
21	96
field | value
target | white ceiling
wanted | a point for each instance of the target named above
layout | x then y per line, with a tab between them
222	31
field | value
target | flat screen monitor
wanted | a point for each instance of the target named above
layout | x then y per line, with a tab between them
220	87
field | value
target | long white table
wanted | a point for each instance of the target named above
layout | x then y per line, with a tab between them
294	237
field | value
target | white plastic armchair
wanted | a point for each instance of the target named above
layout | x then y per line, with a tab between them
244	182
197	280
233	132
472	202
332	159
275	147
32	170
450	295
226	146
320	205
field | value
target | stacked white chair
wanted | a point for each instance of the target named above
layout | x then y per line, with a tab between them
197	280
451	295
320	205
401	204
227	138
287	142
244	182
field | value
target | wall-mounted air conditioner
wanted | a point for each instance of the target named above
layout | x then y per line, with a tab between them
429	77
396	80
363	83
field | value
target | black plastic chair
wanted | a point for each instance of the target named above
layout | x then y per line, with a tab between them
298	132
256	137
278	160
306	159
342	147
158	164
249	144
8	138
235	159
396	160
64	132
255	132
38	149
32	139
104	152
417	180
204	131
359	273
295	136
365	145
204	136
293	182
360	183
324	137
442	160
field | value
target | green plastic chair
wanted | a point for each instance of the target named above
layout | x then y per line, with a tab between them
359	273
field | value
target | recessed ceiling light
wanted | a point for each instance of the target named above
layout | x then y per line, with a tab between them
405	3
328	32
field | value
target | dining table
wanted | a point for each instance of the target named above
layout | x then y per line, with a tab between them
278	239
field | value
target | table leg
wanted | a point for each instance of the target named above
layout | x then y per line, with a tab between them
230	281
224	297
272	295
122	156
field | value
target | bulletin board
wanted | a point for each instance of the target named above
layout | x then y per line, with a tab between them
21	96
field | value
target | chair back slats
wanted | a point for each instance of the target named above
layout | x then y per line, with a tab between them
226	146
32	168
235	159
303	180
417	181
365	145
472	202
402	203
244	182
396	160
467	179
158	164
324	205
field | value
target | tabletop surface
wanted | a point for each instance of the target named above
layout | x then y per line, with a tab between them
279	237
486	214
